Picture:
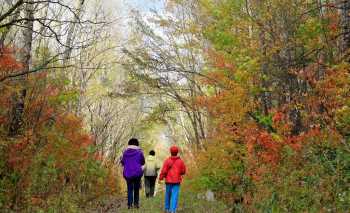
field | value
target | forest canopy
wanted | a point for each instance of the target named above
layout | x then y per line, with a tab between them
256	94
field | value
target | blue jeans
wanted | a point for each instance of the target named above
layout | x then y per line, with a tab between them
133	191
171	197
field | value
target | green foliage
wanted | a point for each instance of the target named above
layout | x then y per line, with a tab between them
343	120
318	181
264	120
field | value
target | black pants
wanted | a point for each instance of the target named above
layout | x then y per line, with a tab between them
150	182
133	191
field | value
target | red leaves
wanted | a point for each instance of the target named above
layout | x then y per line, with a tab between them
262	145
51	91
8	63
19	153
333	26
333	21
47	126
278	117
219	60
266	140
3	120
98	156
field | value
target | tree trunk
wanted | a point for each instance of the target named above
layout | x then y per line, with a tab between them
71	31
265	96
16	117
345	26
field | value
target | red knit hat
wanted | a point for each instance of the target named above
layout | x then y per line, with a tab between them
174	150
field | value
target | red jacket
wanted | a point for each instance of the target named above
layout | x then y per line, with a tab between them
173	169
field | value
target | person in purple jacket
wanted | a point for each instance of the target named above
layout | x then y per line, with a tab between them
133	161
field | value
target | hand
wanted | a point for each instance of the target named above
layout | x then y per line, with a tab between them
160	181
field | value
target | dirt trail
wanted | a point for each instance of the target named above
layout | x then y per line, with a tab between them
189	203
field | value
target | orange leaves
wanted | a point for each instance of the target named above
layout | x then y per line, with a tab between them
295	142
19	153
40	117
98	157
222	72
278	117
335	87
67	141
262	145
333	21
72	128
267	142
3	119
333	26
201	101
51	91
308	73
54	150
227	110
329	94
219	60
68	122
214	78
36	201
8	62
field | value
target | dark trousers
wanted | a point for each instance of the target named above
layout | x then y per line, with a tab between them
133	191
150	183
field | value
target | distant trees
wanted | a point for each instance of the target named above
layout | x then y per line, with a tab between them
169	63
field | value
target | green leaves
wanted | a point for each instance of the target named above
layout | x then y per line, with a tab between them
343	120
264	120
64	98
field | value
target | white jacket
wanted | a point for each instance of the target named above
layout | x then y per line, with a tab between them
152	166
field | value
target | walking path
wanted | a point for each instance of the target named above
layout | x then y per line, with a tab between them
189	203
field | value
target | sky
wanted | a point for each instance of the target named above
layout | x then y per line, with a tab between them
142	5
145	5
122	8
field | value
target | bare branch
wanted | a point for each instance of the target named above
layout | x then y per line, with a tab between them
11	10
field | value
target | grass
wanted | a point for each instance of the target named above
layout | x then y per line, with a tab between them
188	203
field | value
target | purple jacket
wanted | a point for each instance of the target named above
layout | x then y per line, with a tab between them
132	161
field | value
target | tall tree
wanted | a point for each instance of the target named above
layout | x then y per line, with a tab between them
25	58
344	6
71	31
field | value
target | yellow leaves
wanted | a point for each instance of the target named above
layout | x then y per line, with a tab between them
342	119
96	91
277	137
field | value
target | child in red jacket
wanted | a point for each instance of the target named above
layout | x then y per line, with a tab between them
173	170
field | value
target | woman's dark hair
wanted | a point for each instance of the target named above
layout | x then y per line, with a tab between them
152	152
133	141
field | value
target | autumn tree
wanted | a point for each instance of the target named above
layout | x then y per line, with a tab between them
272	65
47	151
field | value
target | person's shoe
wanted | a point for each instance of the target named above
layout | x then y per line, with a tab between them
129	207
137	206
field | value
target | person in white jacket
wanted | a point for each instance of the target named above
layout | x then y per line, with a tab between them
150	173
